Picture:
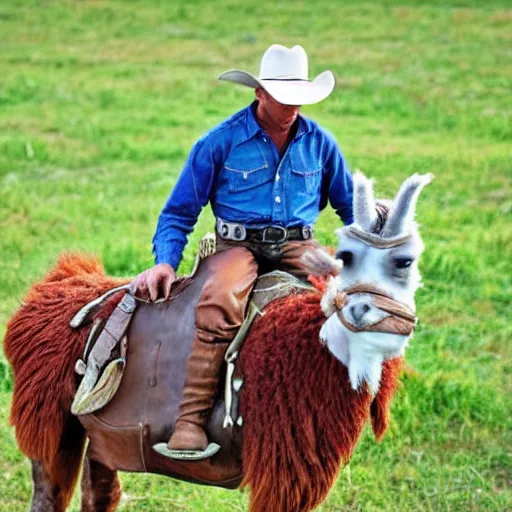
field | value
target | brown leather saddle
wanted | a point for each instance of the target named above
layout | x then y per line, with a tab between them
144	408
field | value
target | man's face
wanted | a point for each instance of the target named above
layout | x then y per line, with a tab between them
283	115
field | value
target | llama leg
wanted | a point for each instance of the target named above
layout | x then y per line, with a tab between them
45	496
55	480
101	488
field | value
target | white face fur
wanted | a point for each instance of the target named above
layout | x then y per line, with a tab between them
393	270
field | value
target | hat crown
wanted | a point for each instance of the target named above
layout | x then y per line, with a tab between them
281	63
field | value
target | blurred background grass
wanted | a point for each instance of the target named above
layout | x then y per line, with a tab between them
100	102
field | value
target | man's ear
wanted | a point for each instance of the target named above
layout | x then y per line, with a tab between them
379	408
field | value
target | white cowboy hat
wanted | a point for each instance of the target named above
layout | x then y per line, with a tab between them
284	75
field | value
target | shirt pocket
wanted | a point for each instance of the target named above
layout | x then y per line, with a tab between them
306	174
246	173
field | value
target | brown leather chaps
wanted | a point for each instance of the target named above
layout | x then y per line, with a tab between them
219	314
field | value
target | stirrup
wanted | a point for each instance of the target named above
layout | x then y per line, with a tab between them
186	455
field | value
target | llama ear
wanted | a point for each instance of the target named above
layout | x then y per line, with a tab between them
364	203
379	408
404	206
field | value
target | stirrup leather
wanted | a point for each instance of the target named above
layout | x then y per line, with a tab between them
101	377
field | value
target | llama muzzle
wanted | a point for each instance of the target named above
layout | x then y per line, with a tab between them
400	319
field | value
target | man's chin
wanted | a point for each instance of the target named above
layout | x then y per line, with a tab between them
287	122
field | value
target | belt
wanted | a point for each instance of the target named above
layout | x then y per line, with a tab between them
267	235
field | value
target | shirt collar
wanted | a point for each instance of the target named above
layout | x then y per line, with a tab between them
253	128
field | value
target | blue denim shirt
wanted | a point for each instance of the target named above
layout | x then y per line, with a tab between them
237	168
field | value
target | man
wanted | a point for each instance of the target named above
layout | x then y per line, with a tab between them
267	172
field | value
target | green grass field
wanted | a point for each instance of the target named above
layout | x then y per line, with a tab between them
100	102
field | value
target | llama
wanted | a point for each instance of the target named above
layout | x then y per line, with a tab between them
316	367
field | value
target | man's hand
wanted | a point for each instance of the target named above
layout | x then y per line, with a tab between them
154	283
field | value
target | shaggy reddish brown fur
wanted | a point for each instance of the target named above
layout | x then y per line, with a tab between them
301	418
42	350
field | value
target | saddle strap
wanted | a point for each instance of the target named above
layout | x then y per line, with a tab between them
231	357
268	288
81	316
111	335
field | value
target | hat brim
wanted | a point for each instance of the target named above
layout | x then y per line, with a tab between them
287	92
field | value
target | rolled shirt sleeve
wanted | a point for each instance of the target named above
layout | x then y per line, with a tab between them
179	215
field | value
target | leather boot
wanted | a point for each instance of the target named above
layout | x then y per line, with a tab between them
189	440
219	314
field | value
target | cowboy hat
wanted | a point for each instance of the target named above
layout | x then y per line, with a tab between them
284	75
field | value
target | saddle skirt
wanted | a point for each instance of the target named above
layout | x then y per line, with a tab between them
138	406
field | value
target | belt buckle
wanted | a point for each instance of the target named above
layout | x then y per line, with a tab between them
231	231
283	238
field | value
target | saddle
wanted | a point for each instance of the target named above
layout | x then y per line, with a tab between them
133	371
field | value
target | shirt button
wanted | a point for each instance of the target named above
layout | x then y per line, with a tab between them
277	177
264	139
278	199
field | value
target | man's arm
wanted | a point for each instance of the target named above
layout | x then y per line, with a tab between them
179	215
338	187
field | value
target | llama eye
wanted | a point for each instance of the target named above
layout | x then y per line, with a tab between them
345	256
402	262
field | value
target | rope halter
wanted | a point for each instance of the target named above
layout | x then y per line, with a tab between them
401	319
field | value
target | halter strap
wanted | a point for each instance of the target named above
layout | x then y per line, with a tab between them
376	240
402	319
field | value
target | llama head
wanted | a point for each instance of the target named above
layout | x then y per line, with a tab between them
370	304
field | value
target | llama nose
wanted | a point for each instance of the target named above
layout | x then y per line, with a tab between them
358	311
